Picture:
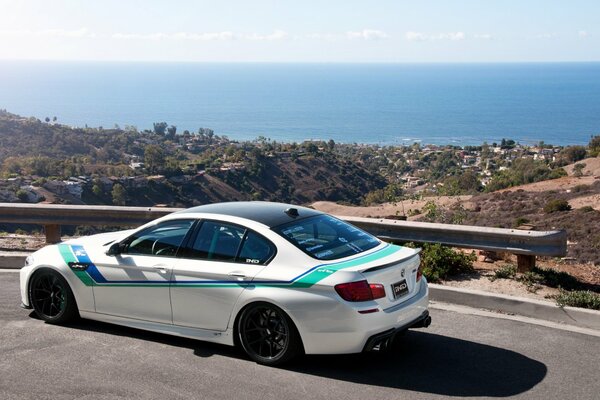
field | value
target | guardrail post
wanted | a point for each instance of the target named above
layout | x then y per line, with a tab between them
525	262
52	233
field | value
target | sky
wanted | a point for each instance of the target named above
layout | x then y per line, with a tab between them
301	31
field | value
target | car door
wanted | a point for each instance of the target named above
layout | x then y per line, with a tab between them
218	263
135	282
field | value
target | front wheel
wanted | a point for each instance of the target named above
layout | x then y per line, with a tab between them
51	297
268	335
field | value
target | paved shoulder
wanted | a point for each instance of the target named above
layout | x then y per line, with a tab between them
459	355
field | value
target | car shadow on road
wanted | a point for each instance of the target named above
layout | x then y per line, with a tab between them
419	361
430	363
201	349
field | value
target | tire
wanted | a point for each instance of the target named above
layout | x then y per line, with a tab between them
268	335
51	297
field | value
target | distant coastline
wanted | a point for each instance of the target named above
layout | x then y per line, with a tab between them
385	104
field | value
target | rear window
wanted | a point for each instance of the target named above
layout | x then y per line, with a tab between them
327	238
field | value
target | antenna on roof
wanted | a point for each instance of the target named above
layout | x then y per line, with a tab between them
292	212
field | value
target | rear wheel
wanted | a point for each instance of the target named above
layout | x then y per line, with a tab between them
268	335
51	297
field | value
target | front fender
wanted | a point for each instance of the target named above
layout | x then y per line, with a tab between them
50	257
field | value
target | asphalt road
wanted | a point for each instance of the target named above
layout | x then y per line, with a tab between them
459	355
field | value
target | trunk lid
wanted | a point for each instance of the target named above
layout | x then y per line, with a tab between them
398	275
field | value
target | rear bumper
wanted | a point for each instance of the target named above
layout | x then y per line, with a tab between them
348	331
380	341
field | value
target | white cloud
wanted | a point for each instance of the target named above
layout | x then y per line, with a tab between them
206	36
367	34
276	35
420	37
226	35
483	36
452	36
416	36
322	36
583	34
63	33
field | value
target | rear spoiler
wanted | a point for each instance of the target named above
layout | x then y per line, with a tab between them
391	264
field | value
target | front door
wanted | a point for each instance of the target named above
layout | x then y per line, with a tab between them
135	283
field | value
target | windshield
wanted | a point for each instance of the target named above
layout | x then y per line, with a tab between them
326	238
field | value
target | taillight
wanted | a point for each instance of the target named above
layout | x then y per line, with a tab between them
419	273
377	290
360	291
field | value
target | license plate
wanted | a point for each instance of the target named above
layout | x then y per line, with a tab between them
399	288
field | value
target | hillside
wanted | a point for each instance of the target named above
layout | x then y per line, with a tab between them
56	162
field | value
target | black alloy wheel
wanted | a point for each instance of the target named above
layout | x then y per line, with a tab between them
51	297
268	335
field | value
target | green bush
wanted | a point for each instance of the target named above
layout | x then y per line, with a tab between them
439	262
23	195
532	281
578	298
507	272
521	221
556	205
556	279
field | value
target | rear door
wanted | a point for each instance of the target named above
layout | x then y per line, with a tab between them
219	262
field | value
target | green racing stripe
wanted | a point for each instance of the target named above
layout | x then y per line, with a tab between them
305	280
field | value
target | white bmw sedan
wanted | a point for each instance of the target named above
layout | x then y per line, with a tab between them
275	279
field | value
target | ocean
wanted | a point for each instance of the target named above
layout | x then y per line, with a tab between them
386	104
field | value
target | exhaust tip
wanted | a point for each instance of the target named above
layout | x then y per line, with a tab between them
427	322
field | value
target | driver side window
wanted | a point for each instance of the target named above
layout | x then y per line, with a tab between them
163	239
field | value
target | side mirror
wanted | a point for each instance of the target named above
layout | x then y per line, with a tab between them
115	249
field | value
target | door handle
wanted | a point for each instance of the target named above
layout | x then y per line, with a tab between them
240	276
160	268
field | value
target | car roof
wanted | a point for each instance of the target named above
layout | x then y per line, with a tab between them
264	212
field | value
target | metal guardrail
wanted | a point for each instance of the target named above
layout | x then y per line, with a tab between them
525	244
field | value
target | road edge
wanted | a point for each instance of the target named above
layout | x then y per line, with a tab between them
532	308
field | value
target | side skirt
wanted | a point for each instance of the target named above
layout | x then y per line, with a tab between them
168	329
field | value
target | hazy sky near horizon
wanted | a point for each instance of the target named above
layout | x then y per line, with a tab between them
301	31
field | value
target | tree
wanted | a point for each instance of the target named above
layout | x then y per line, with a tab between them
160	128
23	195
311	148
47	119
171	131
573	154
578	169
118	194
154	158
594	146
97	190
331	144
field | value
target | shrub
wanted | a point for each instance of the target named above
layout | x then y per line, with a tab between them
556	205
578	298
507	272
587	208
439	262
22	195
580	188
521	221
532	281
557	279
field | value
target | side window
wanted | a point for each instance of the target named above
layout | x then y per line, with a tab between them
217	241
161	240
255	249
